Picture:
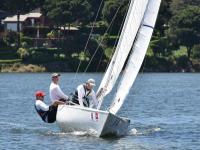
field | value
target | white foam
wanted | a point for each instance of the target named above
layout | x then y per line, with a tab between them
79	133
133	131
144	132
76	133
157	129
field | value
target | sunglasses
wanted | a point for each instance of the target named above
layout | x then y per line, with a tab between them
55	77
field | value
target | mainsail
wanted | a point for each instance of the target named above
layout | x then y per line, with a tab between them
129	31
137	55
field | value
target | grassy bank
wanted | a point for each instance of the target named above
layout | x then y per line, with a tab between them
150	64
19	67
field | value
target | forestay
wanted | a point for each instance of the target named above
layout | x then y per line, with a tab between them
129	31
137	55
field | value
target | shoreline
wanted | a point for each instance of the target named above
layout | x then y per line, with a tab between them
44	68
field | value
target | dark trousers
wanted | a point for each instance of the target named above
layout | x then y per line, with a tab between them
51	116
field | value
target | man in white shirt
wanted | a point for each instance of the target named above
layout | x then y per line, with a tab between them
85	95
47	113
54	90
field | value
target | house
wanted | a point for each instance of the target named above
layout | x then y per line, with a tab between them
30	19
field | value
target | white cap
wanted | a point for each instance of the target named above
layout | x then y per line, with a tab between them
55	75
91	82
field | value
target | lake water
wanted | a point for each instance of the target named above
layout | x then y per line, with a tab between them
164	110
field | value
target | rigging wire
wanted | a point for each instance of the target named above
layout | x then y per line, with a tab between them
102	53
99	62
116	41
89	37
104	37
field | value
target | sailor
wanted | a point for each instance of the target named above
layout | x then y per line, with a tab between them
47	113
54	90
85	95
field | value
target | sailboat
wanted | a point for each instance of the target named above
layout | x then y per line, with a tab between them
133	43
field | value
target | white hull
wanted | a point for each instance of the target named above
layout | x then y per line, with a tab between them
75	118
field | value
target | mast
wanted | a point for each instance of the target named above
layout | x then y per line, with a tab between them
128	34
137	55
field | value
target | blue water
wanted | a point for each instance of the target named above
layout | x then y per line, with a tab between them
164	110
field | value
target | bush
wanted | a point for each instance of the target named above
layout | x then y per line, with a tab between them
28	41
43	55
109	52
182	61
24	45
11	37
159	46
196	51
180	52
59	56
2	43
23	53
81	56
52	34
62	56
39	57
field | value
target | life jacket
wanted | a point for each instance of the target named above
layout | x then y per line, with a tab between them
48	116
85	98
42	114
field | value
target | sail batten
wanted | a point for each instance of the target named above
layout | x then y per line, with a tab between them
137	55
129	31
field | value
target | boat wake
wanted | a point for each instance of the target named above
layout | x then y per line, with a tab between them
149	131
17	128
76	133
131	132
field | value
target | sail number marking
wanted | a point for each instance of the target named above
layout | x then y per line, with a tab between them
94	116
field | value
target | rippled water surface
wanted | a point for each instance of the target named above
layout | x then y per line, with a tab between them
164	110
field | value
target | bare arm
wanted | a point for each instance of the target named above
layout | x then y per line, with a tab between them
57	102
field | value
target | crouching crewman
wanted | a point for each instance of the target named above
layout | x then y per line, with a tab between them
47	113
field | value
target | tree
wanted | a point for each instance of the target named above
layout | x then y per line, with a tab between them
111	7
178	5
196	51
160	46
164	16
67	11
184	28
95	7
